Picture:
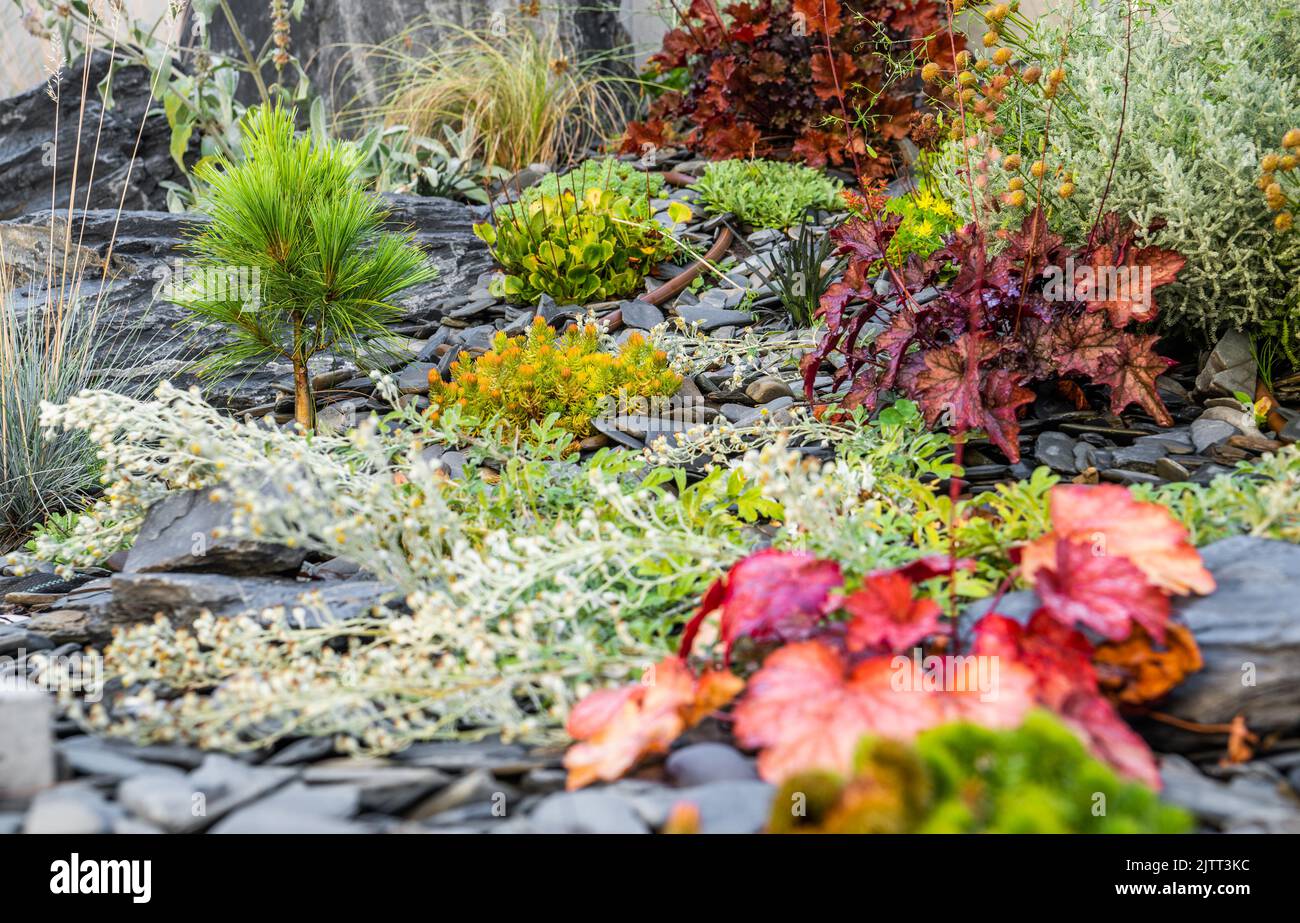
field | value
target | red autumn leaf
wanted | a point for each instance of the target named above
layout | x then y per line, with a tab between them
1104	593
1132	377
864	240
805	709
829	82
1108	519
1123	281
819	148
947	387
1111	739
643	136
678	46
721	71
1082	345
1059	659
615	728
737	140
818	16
1031	246
954	388
934	565
891	117
1002	398
766	67
885	615
769	596
919	18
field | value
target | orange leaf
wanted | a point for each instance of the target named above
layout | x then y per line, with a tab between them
805	709
1134	672
618	727
1112	523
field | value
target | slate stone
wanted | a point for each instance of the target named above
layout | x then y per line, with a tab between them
588	811
188	530
641	315
1056	451
492	755
697	764
1139	457
1171	470
1249	637
1206	433
90	756
29	119
1243	804
713	318
71	808
384	787
414	379
259	820
767	389
182	597
1230	368
740	414
476	787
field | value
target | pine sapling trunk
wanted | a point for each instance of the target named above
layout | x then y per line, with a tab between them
304	402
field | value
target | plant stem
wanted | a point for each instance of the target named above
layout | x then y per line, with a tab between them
253	67
304	402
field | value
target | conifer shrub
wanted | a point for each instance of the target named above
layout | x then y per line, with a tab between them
528	378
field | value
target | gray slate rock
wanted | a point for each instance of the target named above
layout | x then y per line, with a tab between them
72	808
1206	433
1056	451
1245	804
1246	621
187	530
712	318
767	389
590	811
187	804
701	763
641	315
1230	368
91	756
29	123
182	597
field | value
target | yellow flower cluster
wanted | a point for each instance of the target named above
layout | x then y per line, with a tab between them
1279	169
527	378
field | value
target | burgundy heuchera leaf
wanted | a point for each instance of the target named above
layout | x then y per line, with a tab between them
769	596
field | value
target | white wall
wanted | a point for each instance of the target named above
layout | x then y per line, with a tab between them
23	57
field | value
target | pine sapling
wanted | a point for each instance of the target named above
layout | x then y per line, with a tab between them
294	260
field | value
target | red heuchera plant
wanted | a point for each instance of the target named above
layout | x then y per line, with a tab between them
761	80
849	665
1035	312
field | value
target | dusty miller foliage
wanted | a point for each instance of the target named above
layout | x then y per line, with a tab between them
522	597
1212	88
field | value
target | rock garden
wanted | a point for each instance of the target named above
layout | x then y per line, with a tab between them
838	417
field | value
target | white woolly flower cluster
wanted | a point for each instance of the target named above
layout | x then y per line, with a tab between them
509	624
